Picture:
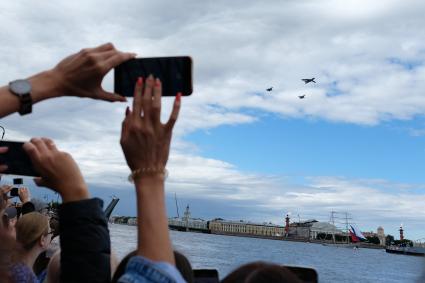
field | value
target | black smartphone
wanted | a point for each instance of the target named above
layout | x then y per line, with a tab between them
14	192
205	276
17	160
175	74
305	274
18	181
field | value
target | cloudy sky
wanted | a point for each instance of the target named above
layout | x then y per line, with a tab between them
355	144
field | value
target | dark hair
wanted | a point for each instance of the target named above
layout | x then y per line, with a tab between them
259	272
182	264
121	267
272	274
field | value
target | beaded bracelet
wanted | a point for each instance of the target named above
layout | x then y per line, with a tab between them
147	171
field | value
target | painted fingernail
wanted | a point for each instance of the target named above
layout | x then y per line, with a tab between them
139	80
157	82
178	96
127	110
150	77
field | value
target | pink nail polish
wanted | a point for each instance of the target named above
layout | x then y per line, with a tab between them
179	96
139	80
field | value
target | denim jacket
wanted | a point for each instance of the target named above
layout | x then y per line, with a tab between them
143	270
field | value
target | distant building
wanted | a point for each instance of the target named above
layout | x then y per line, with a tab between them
381	236
132	221
326	228
219	226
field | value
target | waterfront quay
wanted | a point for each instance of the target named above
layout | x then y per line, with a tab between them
311	231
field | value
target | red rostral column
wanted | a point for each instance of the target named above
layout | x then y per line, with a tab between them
286	225
401	233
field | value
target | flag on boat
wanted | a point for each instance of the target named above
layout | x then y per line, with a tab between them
356	235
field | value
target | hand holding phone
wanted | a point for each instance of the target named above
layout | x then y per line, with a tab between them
16	160
14	192
175	74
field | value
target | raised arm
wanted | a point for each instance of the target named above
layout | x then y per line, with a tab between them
80	74
146	144
84	235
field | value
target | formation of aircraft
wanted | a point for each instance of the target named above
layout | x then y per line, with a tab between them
306	81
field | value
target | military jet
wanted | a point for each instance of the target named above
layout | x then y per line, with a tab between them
306	81
301	96
270	89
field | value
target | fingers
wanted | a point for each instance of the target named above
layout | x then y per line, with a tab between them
32	151
110	96
147	97
40	182
5	189
115	58
49	143
175	113
104	47
3	149
137	99
41	145
156	104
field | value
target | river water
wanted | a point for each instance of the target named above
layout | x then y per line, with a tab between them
226	253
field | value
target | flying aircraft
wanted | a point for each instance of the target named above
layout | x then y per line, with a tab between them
306	81
301	96
270	89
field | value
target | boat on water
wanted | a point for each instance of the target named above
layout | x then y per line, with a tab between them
417	251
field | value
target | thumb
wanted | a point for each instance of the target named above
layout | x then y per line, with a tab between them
40	182
110	96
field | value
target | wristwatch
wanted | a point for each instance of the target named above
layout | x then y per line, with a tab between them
22	89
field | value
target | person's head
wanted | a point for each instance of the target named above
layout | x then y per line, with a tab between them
33	232
259	272
40	206
121	266
184	266
9	220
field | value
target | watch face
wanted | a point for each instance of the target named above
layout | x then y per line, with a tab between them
20	86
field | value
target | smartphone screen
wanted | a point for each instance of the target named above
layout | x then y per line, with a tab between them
17	160
14	192
18	181
205	276
175	74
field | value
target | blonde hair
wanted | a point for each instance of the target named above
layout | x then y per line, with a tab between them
29	228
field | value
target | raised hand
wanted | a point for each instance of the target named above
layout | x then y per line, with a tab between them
81	74
58	169
144	139
24	194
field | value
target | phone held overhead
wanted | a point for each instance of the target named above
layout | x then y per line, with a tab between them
175	74
17	160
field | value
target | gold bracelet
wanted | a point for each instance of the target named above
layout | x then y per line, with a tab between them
135	174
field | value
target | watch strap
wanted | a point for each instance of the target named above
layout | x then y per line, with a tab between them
26	104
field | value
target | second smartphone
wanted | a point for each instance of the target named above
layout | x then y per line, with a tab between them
175	74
